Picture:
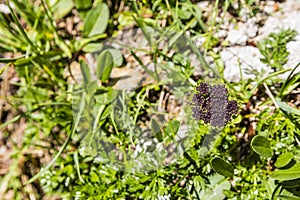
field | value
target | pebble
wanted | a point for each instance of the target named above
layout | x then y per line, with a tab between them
244	31
242	59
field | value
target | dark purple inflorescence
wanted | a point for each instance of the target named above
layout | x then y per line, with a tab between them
211	104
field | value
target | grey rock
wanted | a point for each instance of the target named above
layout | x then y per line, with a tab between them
243	61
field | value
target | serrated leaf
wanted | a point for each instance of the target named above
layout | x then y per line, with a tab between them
222	167
96	20
287	174
284	159
104	65
261	146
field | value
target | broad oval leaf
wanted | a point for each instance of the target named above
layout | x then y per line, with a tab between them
222	167
96	20
284	159
287	174
117	56
261	146
104	65
62	8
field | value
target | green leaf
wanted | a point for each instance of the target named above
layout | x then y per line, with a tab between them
261	146
287	174
125	19
85	72
287	108
156	130
287	197
92	47
276	191
8	60
105	95
291	184
104	65
284	159
291	85
94	177
76	160
88	145
63	46
172	128
96	20
92	87
215	190
62	8
117	56
289	81
222	167
82	5
269	185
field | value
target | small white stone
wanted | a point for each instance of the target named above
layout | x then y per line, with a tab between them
221	34
293	48
4	9
269	7
243	60
251	28
237	37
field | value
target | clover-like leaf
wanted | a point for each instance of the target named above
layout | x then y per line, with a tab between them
284	159
222	167
261	146
96	20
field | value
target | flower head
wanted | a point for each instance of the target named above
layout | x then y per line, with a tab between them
211	105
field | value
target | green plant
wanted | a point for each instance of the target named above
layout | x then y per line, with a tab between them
97	142
273	48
